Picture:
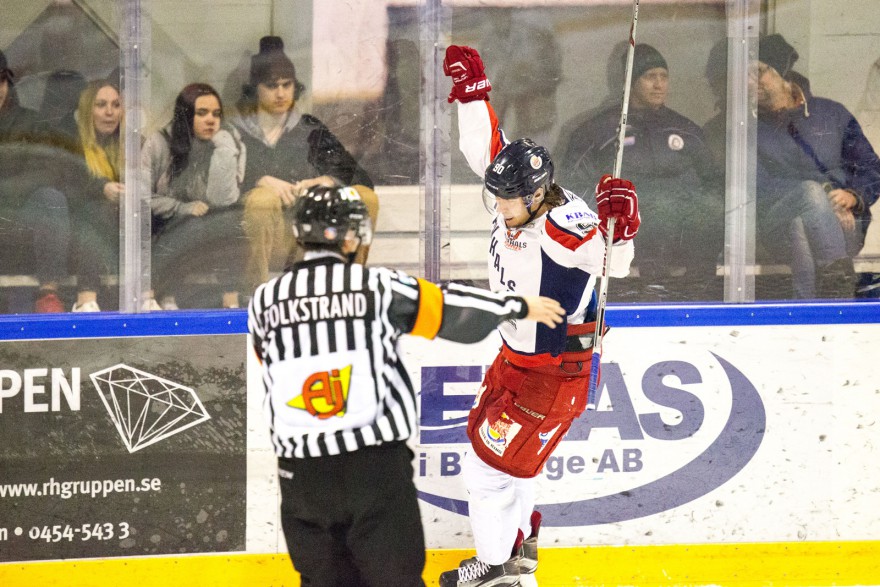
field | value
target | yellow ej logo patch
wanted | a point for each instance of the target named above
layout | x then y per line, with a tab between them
325	393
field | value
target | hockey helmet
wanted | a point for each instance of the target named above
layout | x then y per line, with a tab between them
325	216
519	170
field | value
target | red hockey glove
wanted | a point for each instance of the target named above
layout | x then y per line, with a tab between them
617	198
465	67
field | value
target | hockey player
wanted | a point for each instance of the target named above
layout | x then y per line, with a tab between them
544	240
340	403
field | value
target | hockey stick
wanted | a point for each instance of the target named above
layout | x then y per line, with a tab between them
609	237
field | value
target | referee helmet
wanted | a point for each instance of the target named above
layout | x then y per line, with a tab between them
329	215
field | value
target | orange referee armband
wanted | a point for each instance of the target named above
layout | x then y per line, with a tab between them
430	315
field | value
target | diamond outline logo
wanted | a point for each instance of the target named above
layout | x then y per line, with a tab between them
130	396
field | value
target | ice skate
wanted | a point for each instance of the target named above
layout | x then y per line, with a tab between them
472	572
476	573
525	557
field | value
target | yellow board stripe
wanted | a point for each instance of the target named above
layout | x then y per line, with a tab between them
787	564
430	314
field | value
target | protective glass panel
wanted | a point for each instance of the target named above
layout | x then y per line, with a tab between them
62	161
302	106
557	74
817	173
737	204
726	213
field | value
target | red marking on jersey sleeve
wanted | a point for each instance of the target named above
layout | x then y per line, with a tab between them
566	238
497	142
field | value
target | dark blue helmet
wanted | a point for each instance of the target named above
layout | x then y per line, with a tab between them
519	170
324	216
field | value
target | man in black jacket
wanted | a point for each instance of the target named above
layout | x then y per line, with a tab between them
665	154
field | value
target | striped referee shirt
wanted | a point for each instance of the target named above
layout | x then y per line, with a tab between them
326	334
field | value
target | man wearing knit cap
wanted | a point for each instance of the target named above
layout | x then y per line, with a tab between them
817	176
15	120
287	153
665	154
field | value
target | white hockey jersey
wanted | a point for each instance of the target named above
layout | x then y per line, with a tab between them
558	254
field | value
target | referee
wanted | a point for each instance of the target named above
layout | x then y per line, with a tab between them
340	403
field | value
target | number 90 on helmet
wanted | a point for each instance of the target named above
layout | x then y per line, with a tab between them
518	171
327	215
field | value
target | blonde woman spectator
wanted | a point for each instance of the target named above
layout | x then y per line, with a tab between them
94	198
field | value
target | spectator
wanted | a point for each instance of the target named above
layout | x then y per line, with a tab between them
814	167
34	224
716	75
95	188
287	153
715	128
666	155
868	115
60	98
196	165
16	121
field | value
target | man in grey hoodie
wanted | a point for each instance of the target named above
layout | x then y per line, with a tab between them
287	153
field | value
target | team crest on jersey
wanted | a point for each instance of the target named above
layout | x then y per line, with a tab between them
511	240
498	435
325	393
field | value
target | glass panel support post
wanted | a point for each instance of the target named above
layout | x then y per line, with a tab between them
739	240
435	160
134	209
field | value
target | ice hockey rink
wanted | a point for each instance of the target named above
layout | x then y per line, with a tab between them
735	442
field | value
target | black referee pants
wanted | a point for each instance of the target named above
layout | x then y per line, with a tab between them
352	520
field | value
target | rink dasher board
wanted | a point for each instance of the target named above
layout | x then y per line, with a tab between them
808	481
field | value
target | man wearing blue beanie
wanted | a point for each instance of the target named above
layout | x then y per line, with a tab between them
667	157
